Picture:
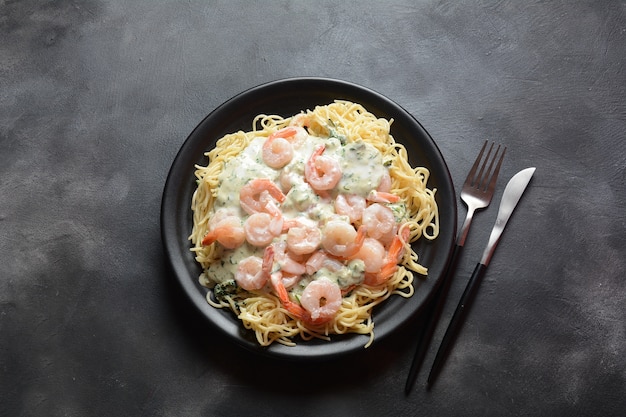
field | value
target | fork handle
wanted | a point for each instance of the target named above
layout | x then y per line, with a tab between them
457	320
432	314
466	226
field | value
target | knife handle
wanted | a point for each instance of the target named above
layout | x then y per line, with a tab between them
457	320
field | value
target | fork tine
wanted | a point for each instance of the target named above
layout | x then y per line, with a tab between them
480	178
494	175
470	174
473	194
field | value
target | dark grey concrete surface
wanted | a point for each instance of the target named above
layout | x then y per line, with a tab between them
96	97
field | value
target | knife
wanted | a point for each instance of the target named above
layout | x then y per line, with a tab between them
512	194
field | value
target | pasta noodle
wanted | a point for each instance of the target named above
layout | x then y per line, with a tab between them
344	125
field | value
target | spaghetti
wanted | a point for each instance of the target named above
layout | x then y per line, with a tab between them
303	224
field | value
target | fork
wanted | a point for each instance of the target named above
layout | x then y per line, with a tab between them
476	193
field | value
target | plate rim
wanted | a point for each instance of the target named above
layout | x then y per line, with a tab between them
234	329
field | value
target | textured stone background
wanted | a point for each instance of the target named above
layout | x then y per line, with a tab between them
96	98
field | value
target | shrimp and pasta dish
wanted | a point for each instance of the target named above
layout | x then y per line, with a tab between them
304	224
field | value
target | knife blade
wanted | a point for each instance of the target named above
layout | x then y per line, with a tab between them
512	194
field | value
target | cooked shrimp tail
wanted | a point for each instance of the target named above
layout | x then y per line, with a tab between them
394	256
209	238
382	197
361	233
321	299
268	259
293	308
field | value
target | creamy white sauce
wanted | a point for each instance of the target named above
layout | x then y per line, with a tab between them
362	171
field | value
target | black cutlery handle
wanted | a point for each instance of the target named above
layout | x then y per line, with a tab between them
457	320
432	315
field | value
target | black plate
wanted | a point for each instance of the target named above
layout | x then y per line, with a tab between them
286	98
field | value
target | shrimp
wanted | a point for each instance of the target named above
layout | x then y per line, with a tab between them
278	147
322	172
261	228
287	179
295	309
373	254
321	259
260	195
321	299
351	205
379	220
220	215
376	196
278	283
300	119
251	274
384	185
290	280
303	236
277	152
341	239
276	279
228	232
285	260
390	265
